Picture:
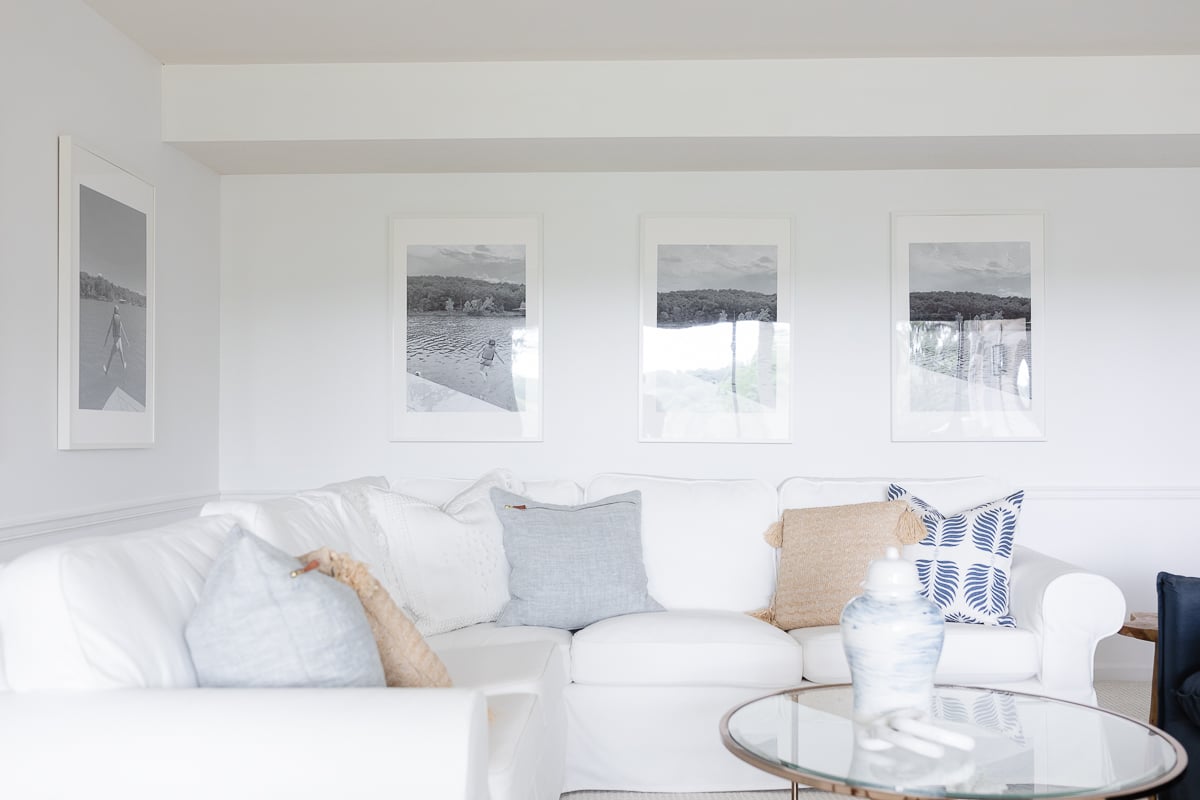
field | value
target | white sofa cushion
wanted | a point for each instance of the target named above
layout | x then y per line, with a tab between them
440	490
329	517
487	634
517	668
703	539
971	654
107	612
685	648
948	495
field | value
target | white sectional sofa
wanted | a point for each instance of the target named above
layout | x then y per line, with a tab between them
103	699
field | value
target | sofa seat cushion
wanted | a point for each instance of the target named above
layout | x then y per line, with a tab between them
971	654
685	648
489	634
521	668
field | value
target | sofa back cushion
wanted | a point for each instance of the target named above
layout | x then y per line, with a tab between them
702	540
439	490
107	612
336	516
948	495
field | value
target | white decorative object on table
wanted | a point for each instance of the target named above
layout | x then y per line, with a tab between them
893	639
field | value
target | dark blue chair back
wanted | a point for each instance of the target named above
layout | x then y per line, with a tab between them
1178	659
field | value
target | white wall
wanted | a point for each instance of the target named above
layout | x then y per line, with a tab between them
64	70
1116	487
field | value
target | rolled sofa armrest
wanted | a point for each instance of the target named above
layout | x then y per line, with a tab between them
1070	610
244	743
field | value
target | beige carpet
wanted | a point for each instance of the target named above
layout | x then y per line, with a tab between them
1124	697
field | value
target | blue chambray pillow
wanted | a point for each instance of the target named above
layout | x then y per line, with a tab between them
255	625
573	565
965	561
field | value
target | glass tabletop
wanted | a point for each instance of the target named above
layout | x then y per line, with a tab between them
1023	746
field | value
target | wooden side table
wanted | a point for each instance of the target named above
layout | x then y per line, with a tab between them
1144	625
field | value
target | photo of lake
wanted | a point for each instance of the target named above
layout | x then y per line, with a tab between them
445	349
970	324
465	327
713	348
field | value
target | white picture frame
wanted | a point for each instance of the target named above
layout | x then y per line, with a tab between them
466	274
711	373
968	322
106	266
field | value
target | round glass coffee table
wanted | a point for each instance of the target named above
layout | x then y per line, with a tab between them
1025	746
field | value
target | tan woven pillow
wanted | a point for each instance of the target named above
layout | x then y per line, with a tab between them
824	553
407	658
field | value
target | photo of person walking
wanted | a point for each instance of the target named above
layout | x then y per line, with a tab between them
113	276
116	329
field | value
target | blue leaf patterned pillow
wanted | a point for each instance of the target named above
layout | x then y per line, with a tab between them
964	561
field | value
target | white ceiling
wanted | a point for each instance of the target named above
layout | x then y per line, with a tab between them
301	31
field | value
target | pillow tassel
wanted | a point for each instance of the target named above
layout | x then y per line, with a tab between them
909	528
774	534
766	615
407	658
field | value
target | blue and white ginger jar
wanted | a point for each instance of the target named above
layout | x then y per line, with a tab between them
893	637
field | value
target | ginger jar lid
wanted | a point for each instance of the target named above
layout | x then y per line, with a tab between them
892	575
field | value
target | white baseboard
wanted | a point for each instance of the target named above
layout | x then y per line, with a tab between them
1123	672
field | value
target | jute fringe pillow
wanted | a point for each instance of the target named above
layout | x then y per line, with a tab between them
407	658
824	554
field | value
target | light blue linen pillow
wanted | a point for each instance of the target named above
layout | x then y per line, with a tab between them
572	565
965	560
257	626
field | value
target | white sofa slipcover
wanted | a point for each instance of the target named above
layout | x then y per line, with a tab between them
92	629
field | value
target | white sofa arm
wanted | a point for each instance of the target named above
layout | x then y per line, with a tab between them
1070	610
245	743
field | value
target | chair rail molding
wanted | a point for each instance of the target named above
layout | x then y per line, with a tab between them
110	518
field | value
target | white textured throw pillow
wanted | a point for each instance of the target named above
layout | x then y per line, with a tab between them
450	558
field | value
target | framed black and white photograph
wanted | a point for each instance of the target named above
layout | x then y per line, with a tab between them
106	303
465	329
967	312
715	329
